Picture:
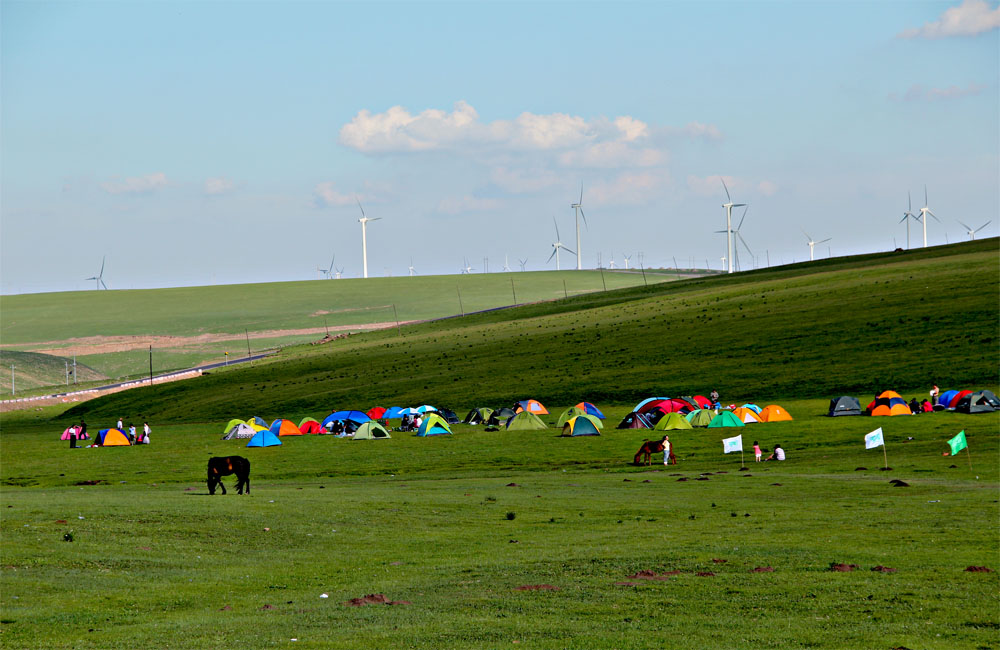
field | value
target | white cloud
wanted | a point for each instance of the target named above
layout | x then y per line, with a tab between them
218	185
611	154
524	180
135	184
325	195
634	188
767	188
457	205
968	19
916	92
712	186
706	131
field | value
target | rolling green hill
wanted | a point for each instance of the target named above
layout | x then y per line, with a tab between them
32	370
842	326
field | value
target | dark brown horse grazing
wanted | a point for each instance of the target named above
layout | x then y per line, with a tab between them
645	454
219	466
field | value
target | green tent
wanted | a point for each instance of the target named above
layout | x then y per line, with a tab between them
571	412
672	421
478	415
582	425
232	423
525	421
700	418
433	425
371	430
725	419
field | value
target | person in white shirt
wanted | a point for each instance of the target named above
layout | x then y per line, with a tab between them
145	433
777	454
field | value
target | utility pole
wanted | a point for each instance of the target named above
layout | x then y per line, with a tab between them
151	365
565	293
247	334
74	368
602	280
512	290
12	379
460	306
398	333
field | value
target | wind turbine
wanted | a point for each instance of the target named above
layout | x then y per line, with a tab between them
611	264
729	205
99	278
328	272
971	232
909	215
467	268
736	233
578	209
506	269
557	244
364	236
628	258
340	274
413	271
813	243
522	262
924	211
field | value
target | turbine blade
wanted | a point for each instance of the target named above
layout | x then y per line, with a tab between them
823	241
584	218
568	250
965	226
909	203
744	217
359	205
729	199
738	205
558	237
934	215
554	249
581	195
925	196
103	259
374	218
983	226
104	285
745	245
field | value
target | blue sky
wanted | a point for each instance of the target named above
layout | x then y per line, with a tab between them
203	143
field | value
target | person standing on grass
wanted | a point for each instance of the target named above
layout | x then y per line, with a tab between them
145	432
756	451
72	437
131	432
668	454
83	430
119	427
935	391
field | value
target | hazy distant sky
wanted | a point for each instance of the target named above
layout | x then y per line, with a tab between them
197	143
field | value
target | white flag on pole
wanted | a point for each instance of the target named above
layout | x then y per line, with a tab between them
874	439
732	444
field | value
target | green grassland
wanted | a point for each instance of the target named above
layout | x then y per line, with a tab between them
33	370
155	562
435	522
853	326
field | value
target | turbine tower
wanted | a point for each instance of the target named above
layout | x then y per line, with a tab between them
557	244
413	271
99	278
924	211
506	269
909	215
971	232
364	236
729	205
813	243
578	209
522	262
628	258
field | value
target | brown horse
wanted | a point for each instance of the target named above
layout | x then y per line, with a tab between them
219	466
645	454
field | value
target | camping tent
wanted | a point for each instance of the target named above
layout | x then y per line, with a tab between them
69	431
426	408
525	421
672	421
774	413
590	409
478	415
748	416
500	416
113	438
256	426
752	407
702	402
531	406
889	403
725	419
393	413
449	416
634	421
433	425
311	426
845	405
285	428
582	425
700	418
241	430
668	405
569	413
304	420
344	416
376	412
371	431
256	420
264	438
983	401
958	398
232	423
648	400
944	399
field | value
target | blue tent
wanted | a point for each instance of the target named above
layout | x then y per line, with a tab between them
433	426
590	409
343	416
393	413
752	407
264	438
945	398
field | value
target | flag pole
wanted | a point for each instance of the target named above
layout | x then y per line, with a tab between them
884	457
968	453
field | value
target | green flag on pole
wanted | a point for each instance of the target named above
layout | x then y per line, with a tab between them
958	443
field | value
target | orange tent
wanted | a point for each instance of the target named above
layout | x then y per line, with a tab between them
747	416
531	406
113	438
774	413
285	428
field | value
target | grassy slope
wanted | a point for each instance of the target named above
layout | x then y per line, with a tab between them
850	326
189	311
32	370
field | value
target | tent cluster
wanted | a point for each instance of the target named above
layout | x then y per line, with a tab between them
583	419
359	425
891	403
670	413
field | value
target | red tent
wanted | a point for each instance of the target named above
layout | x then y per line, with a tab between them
958	397
312	427
376	412
702	402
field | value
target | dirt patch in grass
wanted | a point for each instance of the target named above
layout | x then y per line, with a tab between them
978	569
374	599
843	568
536	588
